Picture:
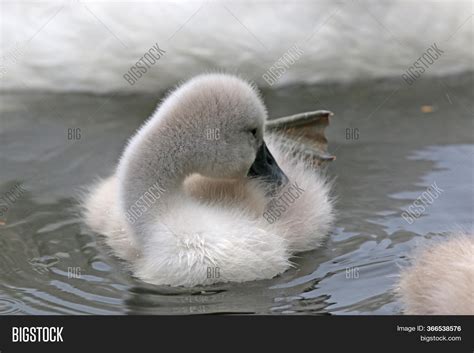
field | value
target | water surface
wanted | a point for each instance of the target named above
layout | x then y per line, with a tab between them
391	140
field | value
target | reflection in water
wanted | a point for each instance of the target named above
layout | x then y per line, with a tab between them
50	263
454	208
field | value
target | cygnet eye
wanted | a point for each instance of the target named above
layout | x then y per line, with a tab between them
254	132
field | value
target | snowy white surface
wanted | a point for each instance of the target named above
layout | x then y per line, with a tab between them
89	45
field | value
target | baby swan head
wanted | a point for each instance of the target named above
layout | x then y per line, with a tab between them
221	118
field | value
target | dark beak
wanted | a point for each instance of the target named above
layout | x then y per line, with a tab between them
266	167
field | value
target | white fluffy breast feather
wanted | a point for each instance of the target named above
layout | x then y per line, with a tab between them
441	278
89	46
218	226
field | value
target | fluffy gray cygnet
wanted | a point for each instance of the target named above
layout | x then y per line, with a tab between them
440	280
201	189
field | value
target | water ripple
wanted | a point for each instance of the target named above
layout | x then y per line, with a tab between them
9	306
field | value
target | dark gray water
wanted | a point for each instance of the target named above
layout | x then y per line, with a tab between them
391	153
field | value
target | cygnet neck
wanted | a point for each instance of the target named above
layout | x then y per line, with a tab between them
153	168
